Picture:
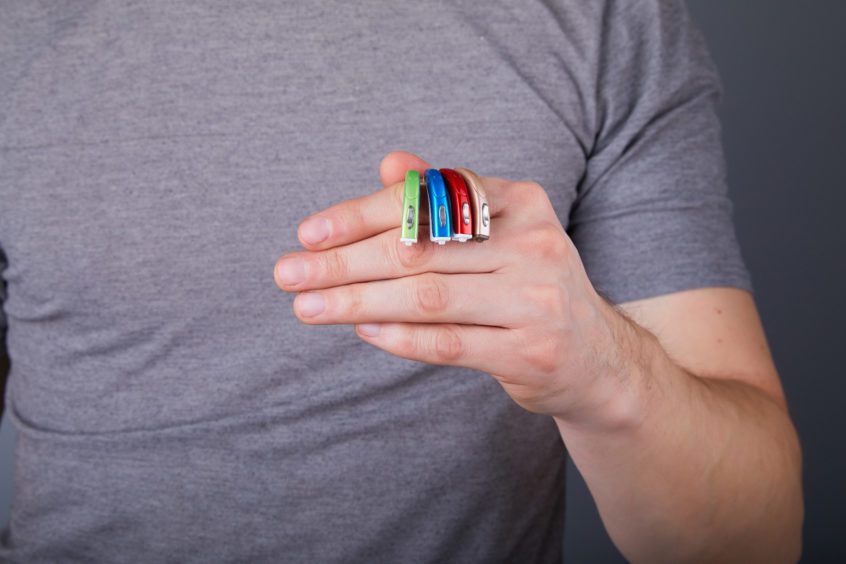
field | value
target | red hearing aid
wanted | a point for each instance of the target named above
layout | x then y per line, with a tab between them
459	198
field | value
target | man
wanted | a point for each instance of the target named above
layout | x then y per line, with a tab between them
158	158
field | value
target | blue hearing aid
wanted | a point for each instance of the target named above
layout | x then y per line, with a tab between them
439	216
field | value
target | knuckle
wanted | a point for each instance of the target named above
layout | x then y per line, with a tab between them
335	265
357	216
448	344
408	256
548	242
350	302
541	352
548	300
539	193
521	196
532	193
349	218
430	294
406	345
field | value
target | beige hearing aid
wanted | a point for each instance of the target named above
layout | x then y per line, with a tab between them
479	201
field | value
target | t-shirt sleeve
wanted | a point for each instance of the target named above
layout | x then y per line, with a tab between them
652	215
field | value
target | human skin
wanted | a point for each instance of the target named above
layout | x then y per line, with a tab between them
671	407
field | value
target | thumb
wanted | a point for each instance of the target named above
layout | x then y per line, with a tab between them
394	164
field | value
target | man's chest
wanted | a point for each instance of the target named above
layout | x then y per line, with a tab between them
151	148
155	164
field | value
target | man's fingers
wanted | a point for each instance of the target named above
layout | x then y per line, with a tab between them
353	220
393	167
382	257
425	298
362	217
471	346
366	216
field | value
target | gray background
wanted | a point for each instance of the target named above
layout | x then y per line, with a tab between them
782	65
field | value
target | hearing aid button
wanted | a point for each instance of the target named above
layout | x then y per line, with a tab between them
410	218
465	213
442	214
485	217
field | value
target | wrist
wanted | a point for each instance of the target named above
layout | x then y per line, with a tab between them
626	363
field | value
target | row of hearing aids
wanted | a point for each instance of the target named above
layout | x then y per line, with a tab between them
458	206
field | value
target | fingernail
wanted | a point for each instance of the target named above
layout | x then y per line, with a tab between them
310	304
291	271
314	230
369	329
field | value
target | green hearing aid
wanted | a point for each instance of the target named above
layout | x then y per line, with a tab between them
411	207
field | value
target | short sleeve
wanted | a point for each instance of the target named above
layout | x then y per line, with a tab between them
652	215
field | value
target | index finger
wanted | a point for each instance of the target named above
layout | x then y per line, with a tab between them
353	220
359	218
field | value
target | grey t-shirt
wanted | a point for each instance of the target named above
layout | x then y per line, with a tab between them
155	160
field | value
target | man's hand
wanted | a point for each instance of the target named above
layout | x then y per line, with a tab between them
670	407
518	306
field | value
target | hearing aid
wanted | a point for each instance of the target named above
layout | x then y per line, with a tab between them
479	202
439	213
410	207
462	227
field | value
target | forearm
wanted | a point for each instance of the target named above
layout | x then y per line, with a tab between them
693	468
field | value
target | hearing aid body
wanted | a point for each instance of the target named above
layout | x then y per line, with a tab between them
439	212
462	221
479	200
411	207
